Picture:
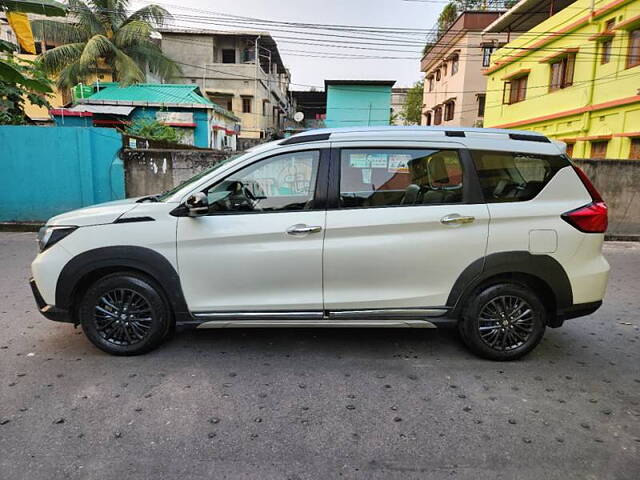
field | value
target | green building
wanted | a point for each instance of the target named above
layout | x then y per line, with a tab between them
353	103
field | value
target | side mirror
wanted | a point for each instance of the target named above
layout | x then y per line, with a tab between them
197	204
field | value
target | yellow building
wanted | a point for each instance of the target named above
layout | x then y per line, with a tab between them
572	74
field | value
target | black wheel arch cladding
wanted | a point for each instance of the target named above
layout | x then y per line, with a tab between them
125	257
543	267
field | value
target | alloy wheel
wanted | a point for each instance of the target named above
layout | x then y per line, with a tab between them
123	317
506	322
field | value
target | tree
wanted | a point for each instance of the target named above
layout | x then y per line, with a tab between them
105	34
154	130
20	81
412	109
447	16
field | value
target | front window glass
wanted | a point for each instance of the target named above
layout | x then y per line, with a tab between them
399	177
282	183
514	177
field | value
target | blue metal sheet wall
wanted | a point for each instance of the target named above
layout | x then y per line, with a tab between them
45	171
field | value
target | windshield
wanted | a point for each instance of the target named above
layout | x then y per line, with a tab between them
198	176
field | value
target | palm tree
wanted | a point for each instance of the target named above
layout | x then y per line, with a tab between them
105	34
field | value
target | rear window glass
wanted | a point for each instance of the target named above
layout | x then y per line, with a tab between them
512	176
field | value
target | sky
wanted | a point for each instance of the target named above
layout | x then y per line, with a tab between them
312	70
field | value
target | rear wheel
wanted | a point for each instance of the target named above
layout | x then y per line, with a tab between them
503	321
125	314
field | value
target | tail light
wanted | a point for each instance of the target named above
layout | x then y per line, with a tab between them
591	218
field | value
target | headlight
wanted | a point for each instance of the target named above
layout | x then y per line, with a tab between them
48	236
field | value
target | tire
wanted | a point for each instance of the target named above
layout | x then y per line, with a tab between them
503	321
125	314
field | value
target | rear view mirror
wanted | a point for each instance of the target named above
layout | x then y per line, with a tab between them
197	204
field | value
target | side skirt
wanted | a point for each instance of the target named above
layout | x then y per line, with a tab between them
380	318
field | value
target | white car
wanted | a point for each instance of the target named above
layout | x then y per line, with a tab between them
494	231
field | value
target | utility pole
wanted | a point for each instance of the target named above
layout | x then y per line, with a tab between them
255	86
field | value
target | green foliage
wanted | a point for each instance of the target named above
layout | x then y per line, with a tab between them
154	130
105	35
21	81
447	16
412	109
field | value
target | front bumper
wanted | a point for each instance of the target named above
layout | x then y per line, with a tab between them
49	311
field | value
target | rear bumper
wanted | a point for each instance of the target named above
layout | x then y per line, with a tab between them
49	311
574	311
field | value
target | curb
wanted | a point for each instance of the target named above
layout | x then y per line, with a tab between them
20	226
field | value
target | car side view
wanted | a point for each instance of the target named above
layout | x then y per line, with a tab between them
496	232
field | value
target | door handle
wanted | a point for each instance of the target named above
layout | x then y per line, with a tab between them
455	219
302	229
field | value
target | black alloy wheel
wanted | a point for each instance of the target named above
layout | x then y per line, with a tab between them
503	321
125	314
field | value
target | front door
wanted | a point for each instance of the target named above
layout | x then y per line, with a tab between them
260	247
404	226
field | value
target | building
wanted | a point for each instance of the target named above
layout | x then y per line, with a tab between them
398	99
353	103
201	122
575	75
223	65
313	106
454	85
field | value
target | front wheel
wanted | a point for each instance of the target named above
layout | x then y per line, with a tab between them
503	321
125	314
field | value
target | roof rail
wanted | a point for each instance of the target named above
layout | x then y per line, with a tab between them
454	133
305	138
529	138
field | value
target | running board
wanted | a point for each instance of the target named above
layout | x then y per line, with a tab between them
315	323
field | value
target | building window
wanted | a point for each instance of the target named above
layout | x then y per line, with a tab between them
437	115
246	104
438	75
481	101
449	109
454	64
605	47
599	149
225	101
634	153
228	55
605	51
430	80
427	117
562	73
486	55
515	90
570	149
633	56
444	69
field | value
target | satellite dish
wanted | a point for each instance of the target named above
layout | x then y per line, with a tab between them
298	117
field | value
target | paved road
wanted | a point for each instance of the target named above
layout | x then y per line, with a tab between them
298	404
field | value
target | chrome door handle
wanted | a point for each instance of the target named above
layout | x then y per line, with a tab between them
302	229
455	219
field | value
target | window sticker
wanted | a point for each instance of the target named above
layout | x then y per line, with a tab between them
358	160
370	160
399	163
366	175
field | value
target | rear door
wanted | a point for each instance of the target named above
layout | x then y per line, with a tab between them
403	223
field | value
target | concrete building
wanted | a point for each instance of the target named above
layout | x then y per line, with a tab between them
454	86
353	103
223	64
313	106
201	122
575	75
398	99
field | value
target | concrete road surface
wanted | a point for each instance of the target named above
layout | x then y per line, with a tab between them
319	404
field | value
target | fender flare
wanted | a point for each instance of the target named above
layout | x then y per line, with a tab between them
543	267
142	259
